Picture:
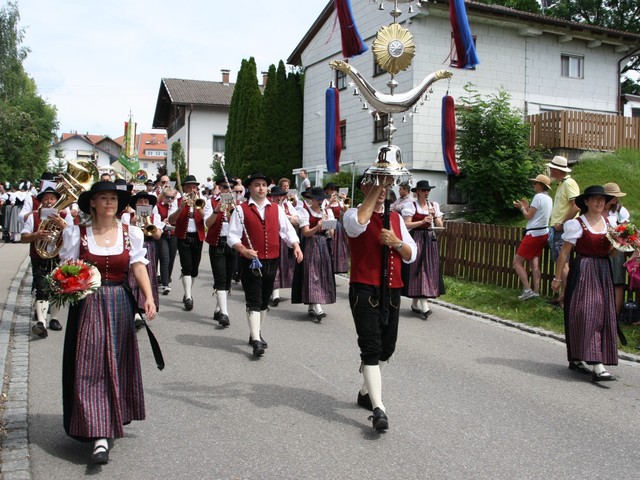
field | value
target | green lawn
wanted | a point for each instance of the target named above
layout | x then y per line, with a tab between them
504	303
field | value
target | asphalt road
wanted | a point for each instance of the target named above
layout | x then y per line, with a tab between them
466	398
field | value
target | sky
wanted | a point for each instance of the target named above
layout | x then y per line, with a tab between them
96	61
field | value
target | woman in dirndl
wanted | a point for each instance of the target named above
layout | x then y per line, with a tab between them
423	278
284	275
617	215
152	228
314	283
101	374
589	308
340	241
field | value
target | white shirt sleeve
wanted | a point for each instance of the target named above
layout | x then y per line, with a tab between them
27	207
235	228
287	232
70	243
28	225
408	209
572	231
138	251
303	218
208	210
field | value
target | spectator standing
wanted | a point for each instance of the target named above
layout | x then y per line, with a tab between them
536	236
617	215
305	183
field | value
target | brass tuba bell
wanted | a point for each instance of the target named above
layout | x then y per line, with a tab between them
78	178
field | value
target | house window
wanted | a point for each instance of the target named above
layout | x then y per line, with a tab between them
453	55
145	165
343	133
455	196
572	66
377	70
341	80
635	112
218	143
379	134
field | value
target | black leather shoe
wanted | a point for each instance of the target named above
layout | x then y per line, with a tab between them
275	302
365	401
380	420
100	455
602	377
55	325
426	314
223	320
258	348
264	344
188	304
416	310
216	315
320	316
39	330
579	367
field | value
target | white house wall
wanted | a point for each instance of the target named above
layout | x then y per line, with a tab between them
528	68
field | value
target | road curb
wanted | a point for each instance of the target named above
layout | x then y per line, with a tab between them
520	326
15	460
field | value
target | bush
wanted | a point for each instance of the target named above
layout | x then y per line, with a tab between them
494	155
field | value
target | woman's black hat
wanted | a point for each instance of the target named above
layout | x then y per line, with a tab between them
317	193
84	201
591	191
190	179
139	196
276	191
422	185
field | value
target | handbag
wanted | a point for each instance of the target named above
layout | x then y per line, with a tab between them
633	269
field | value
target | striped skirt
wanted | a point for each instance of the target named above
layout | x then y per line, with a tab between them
590	312
340	249
152	270
284	276
423	278
313	280
101	375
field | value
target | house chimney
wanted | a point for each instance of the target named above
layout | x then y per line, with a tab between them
225	76
265	78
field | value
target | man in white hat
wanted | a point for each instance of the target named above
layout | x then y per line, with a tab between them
564	208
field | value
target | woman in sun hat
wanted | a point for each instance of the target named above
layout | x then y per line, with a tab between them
536	235
617	215
101	374
422	278
589	303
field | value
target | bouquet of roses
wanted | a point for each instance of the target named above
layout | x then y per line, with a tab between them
624	237
71	281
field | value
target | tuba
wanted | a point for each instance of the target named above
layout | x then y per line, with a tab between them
78	178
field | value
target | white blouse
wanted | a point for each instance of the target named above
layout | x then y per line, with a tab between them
71	244
573	230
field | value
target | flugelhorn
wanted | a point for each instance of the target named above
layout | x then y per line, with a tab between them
193	200
147	226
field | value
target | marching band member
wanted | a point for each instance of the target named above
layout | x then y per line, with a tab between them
339	243
152	229
223	258
41	267
189	224
313	280
256	229
376	338
284	276
168	243
423	278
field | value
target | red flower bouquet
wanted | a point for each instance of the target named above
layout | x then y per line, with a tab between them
625	238
71	281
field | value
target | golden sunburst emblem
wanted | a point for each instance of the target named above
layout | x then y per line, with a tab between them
393	48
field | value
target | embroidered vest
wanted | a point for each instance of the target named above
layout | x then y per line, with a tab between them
264	234
112	268
592	244
183	222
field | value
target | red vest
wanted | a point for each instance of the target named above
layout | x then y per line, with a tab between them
366	254
418	217
264	234
163	210
183	222
112	268
213	234
592	244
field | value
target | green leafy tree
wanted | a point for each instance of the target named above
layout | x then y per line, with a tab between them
27	122
291	113
495	160
242	150
270	137
179	163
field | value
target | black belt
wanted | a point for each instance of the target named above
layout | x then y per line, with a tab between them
111	283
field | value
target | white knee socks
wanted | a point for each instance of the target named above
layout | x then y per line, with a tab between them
253	319
221	295
187	283
275	294
363	389
373	379
41	311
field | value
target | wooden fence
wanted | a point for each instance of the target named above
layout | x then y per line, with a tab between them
484	253
583	131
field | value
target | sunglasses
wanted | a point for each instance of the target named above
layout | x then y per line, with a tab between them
169	198
226	187
239	192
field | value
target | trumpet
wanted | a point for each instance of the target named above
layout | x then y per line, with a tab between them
193	200
147	226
